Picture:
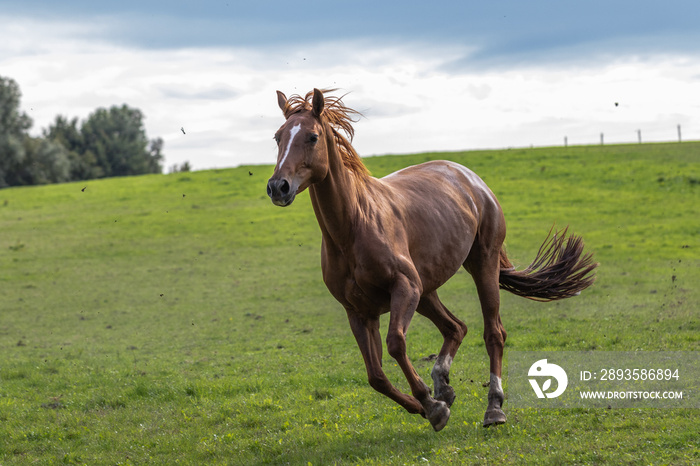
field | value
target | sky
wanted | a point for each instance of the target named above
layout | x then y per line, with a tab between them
428	76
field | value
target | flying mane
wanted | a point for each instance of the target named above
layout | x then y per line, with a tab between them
340	118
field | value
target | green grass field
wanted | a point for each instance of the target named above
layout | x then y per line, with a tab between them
182	319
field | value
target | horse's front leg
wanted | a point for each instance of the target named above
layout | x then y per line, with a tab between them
404	301
453	331
366	331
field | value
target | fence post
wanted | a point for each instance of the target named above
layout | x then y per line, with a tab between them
566	141
639	135
601	139
679	133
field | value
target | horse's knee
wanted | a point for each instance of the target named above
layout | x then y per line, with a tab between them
396	345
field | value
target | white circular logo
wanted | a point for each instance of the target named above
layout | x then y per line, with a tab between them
542	369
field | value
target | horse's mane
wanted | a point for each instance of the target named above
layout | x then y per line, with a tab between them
340	118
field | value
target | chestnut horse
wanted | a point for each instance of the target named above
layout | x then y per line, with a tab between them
390	243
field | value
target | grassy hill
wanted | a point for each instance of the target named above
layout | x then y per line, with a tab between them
182	318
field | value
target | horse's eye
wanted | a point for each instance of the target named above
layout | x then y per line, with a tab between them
313	137
276	138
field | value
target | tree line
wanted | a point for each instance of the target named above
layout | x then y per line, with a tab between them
110	142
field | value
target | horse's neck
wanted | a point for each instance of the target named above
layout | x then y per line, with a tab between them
337	200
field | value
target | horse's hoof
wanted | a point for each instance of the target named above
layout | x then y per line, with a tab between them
446	394
494	416
439	416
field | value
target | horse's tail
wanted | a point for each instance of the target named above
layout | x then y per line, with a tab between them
560	270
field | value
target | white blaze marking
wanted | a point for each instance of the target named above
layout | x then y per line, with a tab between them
292	132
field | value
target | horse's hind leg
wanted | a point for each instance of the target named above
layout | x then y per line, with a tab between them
483	264
453	332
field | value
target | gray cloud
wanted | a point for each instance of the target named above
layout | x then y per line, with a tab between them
501	33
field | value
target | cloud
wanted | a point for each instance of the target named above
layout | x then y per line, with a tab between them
215	91
415	94
491	34
479	91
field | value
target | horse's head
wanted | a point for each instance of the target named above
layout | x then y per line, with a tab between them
302	154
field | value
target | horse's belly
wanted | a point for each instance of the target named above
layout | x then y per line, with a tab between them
434	271
441	243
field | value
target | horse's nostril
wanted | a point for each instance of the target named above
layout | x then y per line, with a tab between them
278	188
284	187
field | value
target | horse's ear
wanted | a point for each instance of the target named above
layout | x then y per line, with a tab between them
281	100
318	103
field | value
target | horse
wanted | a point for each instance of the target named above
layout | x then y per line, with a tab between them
388	244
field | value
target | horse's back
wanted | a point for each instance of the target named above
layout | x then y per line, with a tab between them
440	181
444	206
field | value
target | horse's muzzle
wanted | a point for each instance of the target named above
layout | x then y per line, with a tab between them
280	192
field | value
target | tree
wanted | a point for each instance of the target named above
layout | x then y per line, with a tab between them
83	164
119	144
12	121
185	167
111	142
23	159
155	155
44	162
13	129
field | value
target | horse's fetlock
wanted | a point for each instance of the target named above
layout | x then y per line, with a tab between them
496	396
